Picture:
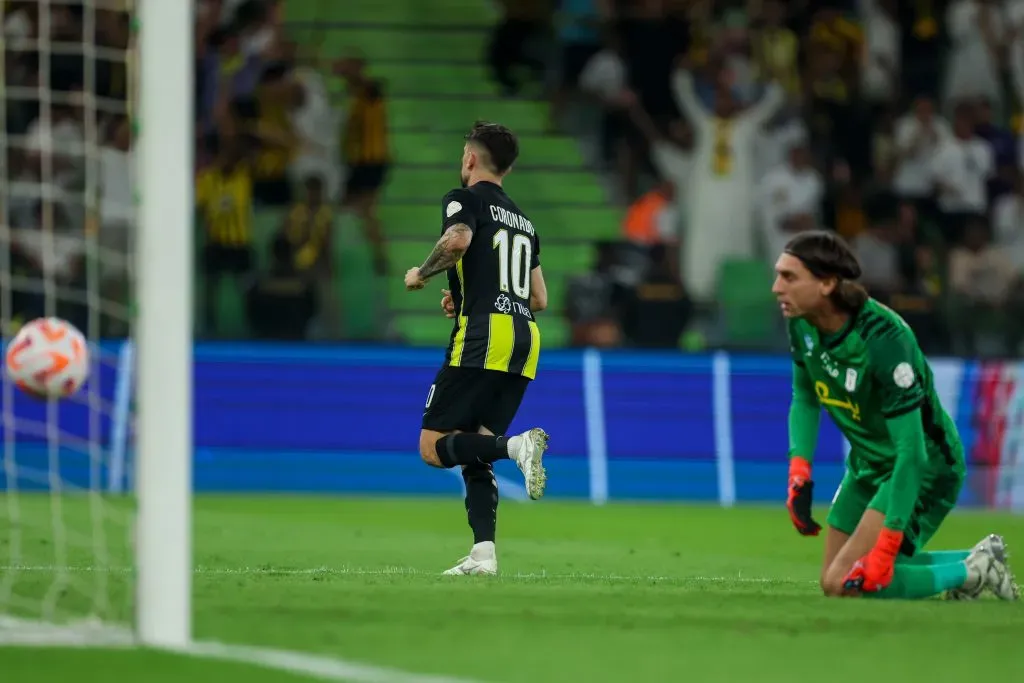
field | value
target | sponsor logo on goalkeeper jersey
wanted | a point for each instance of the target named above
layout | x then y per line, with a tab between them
830	366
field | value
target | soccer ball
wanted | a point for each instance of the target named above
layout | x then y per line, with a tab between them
48	358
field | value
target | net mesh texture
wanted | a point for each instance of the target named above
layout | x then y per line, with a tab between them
66	240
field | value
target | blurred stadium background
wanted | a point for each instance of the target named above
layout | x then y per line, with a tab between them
327	133
661	318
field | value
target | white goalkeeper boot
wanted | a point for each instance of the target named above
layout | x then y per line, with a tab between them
999	580
527	451
481	560
992	545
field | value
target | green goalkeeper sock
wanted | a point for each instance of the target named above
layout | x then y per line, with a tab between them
936	557
915	582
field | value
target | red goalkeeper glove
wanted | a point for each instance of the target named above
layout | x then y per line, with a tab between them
874	571
801	490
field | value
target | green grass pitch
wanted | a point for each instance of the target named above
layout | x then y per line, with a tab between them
614	593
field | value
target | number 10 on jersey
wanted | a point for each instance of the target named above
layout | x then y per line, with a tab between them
518	262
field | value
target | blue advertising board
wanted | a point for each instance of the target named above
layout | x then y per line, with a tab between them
345	419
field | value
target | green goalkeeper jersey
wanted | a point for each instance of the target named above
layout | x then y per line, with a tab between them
866	375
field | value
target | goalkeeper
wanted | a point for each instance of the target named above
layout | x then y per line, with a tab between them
860	361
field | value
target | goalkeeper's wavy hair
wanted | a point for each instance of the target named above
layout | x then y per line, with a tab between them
827	256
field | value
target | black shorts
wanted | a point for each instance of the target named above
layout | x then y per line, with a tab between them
219	258
466	399
365	178
273	191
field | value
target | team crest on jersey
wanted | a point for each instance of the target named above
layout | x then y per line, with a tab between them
851	380
903	376
453	208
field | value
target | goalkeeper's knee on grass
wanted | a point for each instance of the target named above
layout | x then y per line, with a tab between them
912	578
909	582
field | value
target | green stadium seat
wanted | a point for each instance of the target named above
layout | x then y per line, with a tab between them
446	149
554	331
230	303
456	115
746	303
424	328
394	44
427	186
564	258
580	223
412	221
433	79
556	283
404	254
409	13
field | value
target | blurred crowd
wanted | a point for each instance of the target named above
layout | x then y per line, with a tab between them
724	127
55	99
727	127
266	135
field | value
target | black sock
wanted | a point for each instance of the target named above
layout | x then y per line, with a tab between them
470	449
481	501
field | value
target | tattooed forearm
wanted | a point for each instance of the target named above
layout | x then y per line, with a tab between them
448	250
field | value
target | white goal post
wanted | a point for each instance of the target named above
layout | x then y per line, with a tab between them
81	563
164	325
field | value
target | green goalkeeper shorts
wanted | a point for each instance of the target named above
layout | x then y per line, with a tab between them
938	497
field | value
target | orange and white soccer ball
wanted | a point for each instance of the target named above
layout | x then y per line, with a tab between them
48	358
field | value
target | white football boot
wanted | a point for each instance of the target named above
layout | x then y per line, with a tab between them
481	560
527	451
992	545
1000	581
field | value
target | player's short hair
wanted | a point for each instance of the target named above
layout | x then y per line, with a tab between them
827	255
499	142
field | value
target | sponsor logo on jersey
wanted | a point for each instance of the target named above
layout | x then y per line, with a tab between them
809	343
452	209
830	367
503	304
851	379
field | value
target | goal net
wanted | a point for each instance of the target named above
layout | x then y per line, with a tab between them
76	525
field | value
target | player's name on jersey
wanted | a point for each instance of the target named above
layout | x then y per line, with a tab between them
512	220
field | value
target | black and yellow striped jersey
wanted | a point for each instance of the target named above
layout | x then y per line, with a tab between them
272	158
308	229
490	285
366	140
224	198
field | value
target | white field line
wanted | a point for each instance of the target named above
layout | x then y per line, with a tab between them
314	666
22	633
408	571
319	667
